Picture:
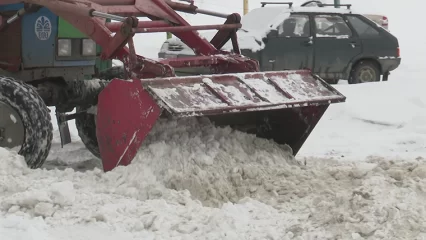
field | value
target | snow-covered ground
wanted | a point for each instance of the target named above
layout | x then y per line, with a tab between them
360	175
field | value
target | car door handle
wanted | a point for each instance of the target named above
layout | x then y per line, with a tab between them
308	43
353	44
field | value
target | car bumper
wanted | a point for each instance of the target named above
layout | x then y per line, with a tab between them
389	64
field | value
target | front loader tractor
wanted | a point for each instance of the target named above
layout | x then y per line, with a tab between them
41	66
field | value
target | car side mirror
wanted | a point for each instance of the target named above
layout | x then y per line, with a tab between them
272	34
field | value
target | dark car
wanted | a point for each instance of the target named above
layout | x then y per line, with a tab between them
335	43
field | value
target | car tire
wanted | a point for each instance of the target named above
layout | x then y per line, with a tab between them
29	125
365	71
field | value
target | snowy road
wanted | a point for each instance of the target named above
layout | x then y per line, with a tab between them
360	175
275	196
237	187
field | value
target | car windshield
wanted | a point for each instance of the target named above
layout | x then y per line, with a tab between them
260	19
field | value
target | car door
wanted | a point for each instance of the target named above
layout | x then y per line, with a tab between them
374	43
290	47
335	46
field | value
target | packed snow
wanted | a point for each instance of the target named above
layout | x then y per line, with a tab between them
360	175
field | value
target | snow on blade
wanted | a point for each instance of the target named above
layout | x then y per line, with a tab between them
242	92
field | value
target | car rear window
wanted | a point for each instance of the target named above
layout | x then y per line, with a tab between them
362	28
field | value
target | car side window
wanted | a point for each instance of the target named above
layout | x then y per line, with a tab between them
362	28
295	26
331	26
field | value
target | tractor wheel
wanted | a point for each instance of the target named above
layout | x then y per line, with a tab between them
24	121
365	71
86	127
86	122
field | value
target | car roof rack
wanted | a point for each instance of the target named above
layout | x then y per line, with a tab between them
320	4
348	6
288	3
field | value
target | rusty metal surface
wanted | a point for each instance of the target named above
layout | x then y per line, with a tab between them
187	28
115	26
10	43
114	2
214	94
218	63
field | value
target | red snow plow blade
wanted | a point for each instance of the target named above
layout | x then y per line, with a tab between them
283	106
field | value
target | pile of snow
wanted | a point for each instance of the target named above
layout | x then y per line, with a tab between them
195	181
216	165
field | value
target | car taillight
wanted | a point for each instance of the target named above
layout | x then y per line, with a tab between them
385	21
397	52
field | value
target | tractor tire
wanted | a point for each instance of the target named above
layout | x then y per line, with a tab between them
364	72
86	127
86	122
25	121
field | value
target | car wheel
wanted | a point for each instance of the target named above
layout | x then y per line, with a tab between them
365	71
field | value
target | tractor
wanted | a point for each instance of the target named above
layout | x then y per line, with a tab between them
48	58
76	57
